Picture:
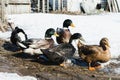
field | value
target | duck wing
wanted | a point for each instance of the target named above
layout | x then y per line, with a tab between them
59	53
40	43
32	40
64	49
89	49
53	56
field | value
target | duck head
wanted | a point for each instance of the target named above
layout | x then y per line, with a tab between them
77	40
49	33
104	43
68	23
60	31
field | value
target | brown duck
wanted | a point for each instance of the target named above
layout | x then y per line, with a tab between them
64	33
95	53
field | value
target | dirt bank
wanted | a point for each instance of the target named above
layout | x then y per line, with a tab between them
24	64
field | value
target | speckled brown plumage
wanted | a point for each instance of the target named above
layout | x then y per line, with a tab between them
95	53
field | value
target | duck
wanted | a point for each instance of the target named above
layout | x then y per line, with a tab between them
18	36
62	53
34	45
64	33
95	53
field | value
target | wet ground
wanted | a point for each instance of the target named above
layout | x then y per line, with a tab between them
24	64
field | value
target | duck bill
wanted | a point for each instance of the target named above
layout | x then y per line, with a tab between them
55	34
108	45
82	40
72	25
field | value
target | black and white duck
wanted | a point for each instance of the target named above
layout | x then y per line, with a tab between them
62	53
64	33
18	36
95	53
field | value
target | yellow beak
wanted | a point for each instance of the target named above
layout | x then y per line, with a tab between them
72	25
108	45
55	34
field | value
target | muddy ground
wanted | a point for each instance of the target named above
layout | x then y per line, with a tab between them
24	64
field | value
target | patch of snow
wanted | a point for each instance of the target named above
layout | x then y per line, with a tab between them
14	76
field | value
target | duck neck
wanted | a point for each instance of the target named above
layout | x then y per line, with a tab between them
65	28
80	44
48	36
50	41
75	43
105	47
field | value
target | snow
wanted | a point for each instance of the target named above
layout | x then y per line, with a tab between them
92	27
14	76
117	70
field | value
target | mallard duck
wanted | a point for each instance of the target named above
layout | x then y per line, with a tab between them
95	53
64	33
62	53
18	36
36	44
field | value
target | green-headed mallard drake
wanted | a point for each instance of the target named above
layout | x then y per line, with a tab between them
64	33
18	36
36	44
62	53
95	53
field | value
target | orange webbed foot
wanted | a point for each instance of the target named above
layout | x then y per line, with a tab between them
63	65
92	68
98	67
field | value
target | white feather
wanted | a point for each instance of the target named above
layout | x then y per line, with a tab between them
21	45
32	51
22	36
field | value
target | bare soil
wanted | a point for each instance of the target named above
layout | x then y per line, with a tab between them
13	61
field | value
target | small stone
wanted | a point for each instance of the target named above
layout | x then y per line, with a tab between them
93	75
